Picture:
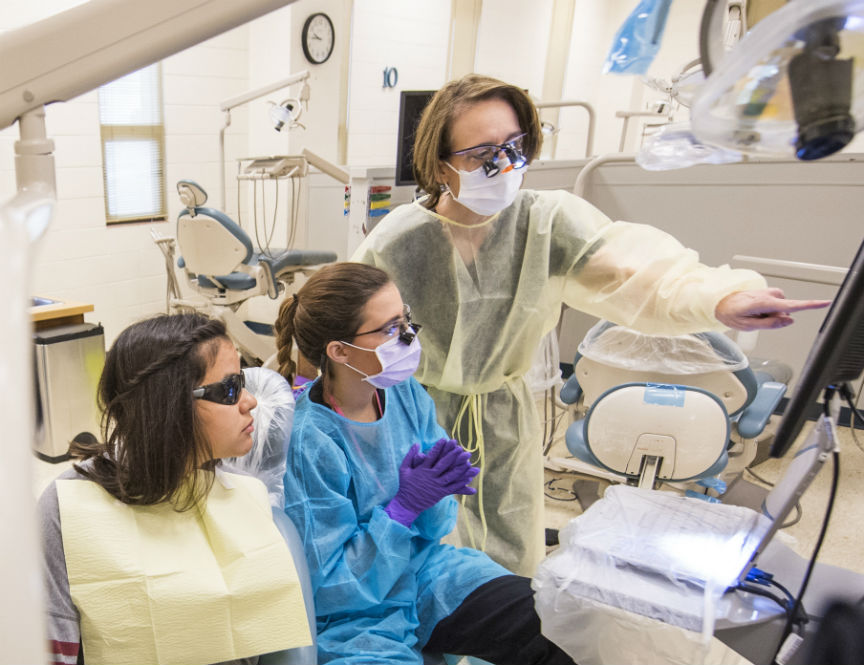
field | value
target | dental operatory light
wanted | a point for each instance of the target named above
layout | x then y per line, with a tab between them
792	86
292	106
548	129
286	114
683	86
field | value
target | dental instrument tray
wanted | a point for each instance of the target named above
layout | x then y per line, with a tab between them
273	167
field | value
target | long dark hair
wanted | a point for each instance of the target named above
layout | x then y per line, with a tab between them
152	437
328	307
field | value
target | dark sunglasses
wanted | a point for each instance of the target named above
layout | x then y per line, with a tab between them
227	391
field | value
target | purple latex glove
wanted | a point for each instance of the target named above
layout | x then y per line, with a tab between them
425	479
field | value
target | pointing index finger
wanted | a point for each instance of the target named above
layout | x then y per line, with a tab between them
800	305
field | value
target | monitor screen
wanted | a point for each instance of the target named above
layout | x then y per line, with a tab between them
411	106
837	355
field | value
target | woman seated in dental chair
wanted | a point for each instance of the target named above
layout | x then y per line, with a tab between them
153	553
370	484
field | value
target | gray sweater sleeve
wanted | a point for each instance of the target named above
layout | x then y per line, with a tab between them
62	618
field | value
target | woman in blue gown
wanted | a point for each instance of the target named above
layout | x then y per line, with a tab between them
370	482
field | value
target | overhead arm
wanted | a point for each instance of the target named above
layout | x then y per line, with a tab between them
55	60
229	104
244	98
78	50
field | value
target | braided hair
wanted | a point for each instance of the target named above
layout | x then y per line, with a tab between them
150	428
328	307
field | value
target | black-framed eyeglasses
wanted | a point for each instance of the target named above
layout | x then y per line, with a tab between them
227	391
406	329
487	155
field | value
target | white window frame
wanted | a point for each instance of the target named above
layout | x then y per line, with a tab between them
152	132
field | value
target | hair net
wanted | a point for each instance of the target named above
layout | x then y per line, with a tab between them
274	417
696	353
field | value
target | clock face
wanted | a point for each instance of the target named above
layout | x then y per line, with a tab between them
318	38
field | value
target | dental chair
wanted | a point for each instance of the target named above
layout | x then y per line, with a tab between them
663	409
274	417
224	268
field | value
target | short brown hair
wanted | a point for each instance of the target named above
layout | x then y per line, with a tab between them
327	308
432	142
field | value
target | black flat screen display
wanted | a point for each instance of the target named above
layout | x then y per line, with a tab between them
837	355
411	107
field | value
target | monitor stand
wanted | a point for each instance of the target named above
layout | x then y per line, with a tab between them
754	629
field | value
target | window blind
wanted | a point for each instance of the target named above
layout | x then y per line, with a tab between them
133	146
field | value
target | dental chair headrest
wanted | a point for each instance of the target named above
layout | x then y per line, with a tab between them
191	194
695	353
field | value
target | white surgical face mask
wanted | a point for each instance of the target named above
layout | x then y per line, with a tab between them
486	196
398	361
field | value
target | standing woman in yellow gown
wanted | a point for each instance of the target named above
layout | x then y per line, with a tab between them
486	267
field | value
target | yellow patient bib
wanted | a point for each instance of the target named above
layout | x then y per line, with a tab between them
158	587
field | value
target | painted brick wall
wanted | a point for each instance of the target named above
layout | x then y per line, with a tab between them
410	35
118	268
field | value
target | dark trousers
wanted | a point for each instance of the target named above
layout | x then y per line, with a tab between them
497	622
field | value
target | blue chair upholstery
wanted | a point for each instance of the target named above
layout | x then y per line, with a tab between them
221	255
753	418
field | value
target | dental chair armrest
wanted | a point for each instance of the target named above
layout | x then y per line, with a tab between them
269	277
753	419
571	391
289	261
307	655
578	447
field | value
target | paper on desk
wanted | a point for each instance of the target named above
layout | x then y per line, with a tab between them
206	585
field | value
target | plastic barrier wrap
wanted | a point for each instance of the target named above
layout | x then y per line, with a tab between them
638	39
274	417
625	348
675	147
640	578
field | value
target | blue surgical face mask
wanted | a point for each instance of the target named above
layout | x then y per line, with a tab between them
486	196
398	361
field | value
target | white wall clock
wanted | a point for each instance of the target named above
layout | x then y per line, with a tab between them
318	38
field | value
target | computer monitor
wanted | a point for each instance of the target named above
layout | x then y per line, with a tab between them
837	355
411	105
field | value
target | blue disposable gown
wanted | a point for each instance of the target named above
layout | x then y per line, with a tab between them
487	294
380	588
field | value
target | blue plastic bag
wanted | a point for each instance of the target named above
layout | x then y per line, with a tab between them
638	38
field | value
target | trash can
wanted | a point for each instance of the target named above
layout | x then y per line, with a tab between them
68	361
